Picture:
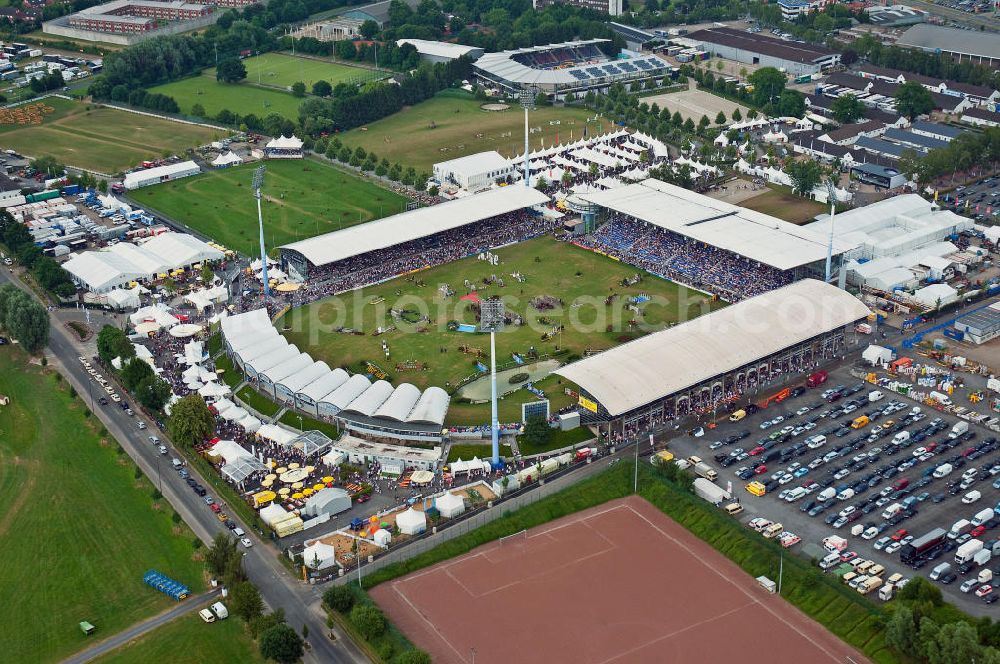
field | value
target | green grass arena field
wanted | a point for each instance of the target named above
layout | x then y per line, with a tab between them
282	70
265	89
98	138
550	268
78	529
302	198
453	125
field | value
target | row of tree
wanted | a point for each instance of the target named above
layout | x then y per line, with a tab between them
962	154
46	271
371	623
276	639
135	374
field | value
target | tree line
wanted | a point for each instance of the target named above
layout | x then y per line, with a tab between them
23	318
47	272
965	152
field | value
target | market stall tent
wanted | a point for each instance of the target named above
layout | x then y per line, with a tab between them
449	505
411	522
319	556
382	537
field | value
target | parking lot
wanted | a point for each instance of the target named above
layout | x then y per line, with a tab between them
866	461
982	194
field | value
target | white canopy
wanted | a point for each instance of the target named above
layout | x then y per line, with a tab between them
156	313
250	424
121	298
214	390
194	352
318	555
276	434
382	537
228	159
222	405
283	143
411	522
449	505
234	414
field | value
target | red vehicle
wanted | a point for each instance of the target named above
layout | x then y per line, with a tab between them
977	531
968	451
900	534
215	508
900	484
848	556
778	397
816	379
757	450
760	470
931	447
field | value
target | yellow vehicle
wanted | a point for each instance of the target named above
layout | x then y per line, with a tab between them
733	509
772	531
756	488
876	570
738	415
860	422
661	457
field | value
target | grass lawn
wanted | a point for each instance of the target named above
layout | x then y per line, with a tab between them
200	642
96	138
303	423
78	529
582	279
509	407
240	98
780	202
559	440
282	70
230	374
258	402
302	198
452	125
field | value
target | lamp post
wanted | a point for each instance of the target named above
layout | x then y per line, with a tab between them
258	182
528	102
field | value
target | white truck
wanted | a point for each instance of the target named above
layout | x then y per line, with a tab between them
943	470
892	510
710	492
702	469
959	528
967	552
886	592
959	429
220	610
985	576
983	516
982	557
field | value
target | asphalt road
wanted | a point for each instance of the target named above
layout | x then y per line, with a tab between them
302	603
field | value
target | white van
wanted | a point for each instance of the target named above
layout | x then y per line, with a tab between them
901	438
959	429
816	441
846	494
829	560
940	571
795	494
207	615
941	398
943	470
875	395
892	510
971	497
220	610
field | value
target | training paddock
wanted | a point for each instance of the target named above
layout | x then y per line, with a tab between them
620	582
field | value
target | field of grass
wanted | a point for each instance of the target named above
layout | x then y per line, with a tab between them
295	420
197	641
258	401
509	407
240	98
583	280
560	439
780	202
101	139
78	529
452	125
302	198
282	70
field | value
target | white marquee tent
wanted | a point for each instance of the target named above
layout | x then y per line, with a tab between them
449	505
411	522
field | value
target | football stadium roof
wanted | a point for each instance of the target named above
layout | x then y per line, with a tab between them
658	365
414	225
755	235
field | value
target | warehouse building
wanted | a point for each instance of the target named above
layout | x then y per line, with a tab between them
981	325
151	176
758	49
439	51
700	364
610	7
127	21
963	45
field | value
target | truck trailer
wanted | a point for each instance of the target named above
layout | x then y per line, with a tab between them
967	552
923	546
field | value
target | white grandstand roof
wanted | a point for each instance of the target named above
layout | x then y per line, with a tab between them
368	401
341	397
324	386
438	48
666	362
502	65
432	407
473	164
415	224
265	347
261	364
290	367
300	379
755	235
400	402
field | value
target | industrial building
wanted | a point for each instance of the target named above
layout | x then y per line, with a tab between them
561	69
151	176
894	16
758	49
127	21
735	350
475	172
610	7
439	51
981	325
881	176
962	45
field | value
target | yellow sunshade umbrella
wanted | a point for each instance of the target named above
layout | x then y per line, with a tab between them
310	469
297	485
281	470
328	478
318	487
272	463
297	496
283	491
287	287
373	519
267	482
293	466
307	491
271	476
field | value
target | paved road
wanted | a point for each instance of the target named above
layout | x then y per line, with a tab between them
302	603
140	629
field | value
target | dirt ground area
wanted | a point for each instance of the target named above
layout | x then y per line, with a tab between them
480	487
696	103
735	191
781	203
344	545
621	582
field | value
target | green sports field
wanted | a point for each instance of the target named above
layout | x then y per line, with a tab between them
77	529
282	70
191	639
96	138
239	98
302	198
452	125
582	279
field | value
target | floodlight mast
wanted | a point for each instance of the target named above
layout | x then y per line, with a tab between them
831	191
528	102
258	183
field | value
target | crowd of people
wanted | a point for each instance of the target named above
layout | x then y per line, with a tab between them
672	256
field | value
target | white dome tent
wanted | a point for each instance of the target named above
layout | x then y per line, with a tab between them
411	522
449	505
382	537
319	556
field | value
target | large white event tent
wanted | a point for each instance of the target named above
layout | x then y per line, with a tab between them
449	505
411	522
113	267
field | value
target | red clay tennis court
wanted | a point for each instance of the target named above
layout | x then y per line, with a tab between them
617	583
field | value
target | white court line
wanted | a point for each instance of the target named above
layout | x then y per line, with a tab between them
752	598
430	625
